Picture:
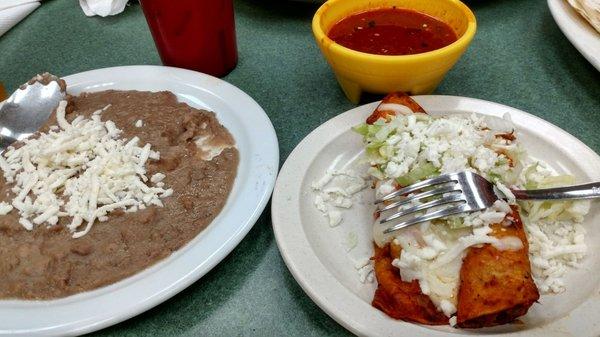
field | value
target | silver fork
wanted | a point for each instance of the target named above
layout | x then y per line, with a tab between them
464	192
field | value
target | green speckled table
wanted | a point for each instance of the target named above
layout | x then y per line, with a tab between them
519	57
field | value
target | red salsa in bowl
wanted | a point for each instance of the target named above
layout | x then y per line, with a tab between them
392	31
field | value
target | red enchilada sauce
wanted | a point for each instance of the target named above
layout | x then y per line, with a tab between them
392	31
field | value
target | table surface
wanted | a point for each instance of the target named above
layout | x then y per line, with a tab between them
519	58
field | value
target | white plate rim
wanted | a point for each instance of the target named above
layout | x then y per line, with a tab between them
254	191
578	31
325	290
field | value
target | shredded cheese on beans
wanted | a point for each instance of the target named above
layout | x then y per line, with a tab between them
82	170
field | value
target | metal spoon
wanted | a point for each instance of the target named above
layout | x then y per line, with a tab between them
29	107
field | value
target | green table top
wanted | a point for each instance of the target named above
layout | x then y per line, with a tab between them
519	58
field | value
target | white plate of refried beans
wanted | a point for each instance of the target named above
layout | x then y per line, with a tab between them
143	179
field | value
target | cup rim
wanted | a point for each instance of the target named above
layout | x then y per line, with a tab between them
461	43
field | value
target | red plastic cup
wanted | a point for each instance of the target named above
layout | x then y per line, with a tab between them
193	34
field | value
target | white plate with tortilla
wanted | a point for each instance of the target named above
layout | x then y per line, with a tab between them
257	144
323	259
580	32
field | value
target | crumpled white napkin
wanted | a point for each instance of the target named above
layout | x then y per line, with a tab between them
13	11
102	7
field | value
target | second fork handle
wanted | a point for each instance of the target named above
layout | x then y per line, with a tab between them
585	191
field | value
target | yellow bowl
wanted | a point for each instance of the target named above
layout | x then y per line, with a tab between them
415	74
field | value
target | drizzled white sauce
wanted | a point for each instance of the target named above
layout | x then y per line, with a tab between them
433	256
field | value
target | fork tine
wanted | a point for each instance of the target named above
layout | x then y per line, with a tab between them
430	193
428	217
427	205
446	178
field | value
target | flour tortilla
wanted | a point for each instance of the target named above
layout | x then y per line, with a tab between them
589	9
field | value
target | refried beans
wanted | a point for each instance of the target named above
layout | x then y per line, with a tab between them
48	263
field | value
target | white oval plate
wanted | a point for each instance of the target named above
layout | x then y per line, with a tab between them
317	258
259	159
580	32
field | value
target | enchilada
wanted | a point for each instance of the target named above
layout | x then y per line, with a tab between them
488	284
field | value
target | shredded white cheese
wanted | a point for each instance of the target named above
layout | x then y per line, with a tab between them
364	267
554	231
334	192
451	144
554	247
5	208
81	170
139	123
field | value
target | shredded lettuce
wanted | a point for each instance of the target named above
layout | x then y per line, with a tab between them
361	129
373	154
455	222
530	184
383	133
494	177
375	136
367	130
376	172
556	181
420	172
451	228
550	210
421	117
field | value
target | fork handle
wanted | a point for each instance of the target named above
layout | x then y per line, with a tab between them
585	191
